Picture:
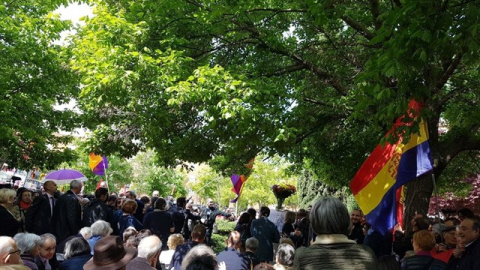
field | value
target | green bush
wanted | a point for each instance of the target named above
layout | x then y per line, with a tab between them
218	242
223	230
225	227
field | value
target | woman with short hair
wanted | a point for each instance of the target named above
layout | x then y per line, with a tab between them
330	221
100	228
284	257
77	253
10	224
128	219
29	244
423	242
166	256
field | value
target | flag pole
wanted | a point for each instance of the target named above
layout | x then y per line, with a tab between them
106	175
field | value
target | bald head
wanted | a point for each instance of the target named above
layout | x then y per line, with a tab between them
9	251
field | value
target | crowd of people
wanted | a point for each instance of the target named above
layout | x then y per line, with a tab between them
67	231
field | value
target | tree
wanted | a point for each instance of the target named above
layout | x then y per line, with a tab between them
320	81
34	76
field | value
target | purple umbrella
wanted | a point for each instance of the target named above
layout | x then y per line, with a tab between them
65	176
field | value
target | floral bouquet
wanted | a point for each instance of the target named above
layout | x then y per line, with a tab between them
281	192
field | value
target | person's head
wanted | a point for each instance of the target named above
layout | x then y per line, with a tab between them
356	216
129	206
130	195
301	213
160	204
76	186
142	234
264	211
7	195
285	255
465	213
145	200
423	240
101	228
174	240
109	253
234	240
330	216
181	202
24	195
112	200
421	223
287	240
244	218
129	233
263	266
200	257
28	243
9	251
252	212
101	194
47	245
50	187
76	247
149	248
210	203
451	222
198	233
290	217
86	232
450	236
251	244
414	218
469	230
155	193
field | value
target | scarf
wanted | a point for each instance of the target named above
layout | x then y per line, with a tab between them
23	205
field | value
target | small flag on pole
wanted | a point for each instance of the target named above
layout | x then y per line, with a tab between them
239	180
98	164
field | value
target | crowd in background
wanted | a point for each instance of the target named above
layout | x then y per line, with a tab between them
67	231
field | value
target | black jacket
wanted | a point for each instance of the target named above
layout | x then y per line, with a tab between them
97	210
38	216
67	216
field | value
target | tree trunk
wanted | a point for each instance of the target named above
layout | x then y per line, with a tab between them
417	200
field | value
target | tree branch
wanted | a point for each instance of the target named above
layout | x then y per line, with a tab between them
357	26
375	8
449	70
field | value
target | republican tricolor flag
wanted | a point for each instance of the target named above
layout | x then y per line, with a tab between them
389	167
98	164
239	180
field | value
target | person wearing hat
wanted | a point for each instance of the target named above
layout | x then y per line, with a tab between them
110	254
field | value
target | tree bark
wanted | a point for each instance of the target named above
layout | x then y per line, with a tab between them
417	198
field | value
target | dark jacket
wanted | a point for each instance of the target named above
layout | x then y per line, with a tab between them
139	264
67	215
421	262
160	223
470	259
357	233
266	233
180	253
335	256
9	225
38	216
254	260
75	263
97	210
233	260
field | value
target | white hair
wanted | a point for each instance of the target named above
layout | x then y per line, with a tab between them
101	227
75	184
6	244
27	241
86	232
149	246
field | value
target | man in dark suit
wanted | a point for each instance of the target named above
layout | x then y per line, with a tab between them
266	233
231	257
148	252
67	214
39	214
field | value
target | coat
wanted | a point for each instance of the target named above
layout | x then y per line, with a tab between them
266	233
335	252
75	263
233	260
97	210
67	216
39	215
9	225
139	263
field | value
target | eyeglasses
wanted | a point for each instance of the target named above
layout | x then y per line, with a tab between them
13	252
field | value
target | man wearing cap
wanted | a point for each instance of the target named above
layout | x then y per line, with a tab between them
39	214
110	254
148	252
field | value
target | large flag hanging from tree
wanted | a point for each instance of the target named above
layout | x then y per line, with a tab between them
239	180
389	167
98	164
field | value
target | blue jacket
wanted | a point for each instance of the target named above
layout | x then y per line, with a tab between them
75	263
233	260
266	233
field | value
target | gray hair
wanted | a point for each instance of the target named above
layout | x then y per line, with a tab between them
101	227
44	237
6	244
285	254
149	246
200	256
75	184
27	241
6	194
330	216
252	243
76	246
